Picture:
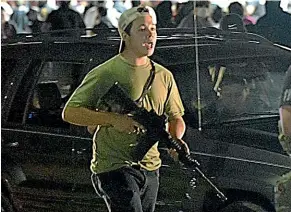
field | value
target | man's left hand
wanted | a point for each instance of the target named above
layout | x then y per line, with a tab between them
174	153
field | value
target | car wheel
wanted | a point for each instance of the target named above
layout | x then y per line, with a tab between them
243	206
6	205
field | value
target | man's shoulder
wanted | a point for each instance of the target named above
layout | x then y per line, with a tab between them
287	83
162	70
107	65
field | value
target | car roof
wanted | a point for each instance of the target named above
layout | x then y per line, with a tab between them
212	44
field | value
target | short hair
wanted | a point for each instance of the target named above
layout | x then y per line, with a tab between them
128	28
236	8
202	3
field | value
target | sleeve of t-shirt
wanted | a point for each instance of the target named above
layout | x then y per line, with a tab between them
286	94
92	88
174	106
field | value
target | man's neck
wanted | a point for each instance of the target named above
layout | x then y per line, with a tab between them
132	59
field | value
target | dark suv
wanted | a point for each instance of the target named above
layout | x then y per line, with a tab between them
230	84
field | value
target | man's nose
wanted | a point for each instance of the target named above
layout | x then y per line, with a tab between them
150	33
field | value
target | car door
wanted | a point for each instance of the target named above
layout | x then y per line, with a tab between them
239	110
45	149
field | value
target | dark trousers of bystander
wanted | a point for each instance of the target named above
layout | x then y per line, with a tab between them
128	189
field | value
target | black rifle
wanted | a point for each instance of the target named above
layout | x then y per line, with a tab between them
116	100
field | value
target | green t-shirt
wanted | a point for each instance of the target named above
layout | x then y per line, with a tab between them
111	148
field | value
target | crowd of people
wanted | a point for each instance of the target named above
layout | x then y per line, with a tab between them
127	182
41	16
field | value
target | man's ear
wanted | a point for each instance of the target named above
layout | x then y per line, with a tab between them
124	36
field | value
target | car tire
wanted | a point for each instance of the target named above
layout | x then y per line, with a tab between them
243	206
6	205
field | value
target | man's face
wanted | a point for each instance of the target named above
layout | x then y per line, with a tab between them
143	37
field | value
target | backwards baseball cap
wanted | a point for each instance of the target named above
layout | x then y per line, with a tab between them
128	16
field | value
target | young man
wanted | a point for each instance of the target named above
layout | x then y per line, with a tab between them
125	183
283	189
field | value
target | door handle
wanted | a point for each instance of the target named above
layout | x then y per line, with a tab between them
12	144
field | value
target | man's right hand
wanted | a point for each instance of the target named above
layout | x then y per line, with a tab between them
125	123
122	123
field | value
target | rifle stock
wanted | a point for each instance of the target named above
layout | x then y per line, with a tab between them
116	100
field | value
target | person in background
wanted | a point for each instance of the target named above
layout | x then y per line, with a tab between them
164	15
283	187
202	13
125	182
34	17
64	18
216	17
274	25
122	5
112	14
255	8
232	22
8	30
237	8
19	17
182	10
94	18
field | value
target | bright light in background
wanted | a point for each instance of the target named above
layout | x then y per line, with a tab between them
52	4
286	5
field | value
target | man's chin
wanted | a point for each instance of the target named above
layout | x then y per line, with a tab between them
150	52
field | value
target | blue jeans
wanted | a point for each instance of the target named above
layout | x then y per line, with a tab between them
128	189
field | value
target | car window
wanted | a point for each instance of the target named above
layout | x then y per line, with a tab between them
55	83
245	89
26	73
231	90
7	66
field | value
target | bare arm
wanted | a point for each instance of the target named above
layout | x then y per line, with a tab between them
177	129
85	117
285	119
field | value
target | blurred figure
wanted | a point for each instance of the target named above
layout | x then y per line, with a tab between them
283	187
94	18
202	14
237	8
216	17
112	14
19	17
45	9
164	15
7	9
182	10
122	5
275	25
8	31
255	8
79	6
64	18
232	22
34	17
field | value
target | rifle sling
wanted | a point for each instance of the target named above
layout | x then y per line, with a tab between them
148	84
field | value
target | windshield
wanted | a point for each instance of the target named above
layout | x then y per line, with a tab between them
232	90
